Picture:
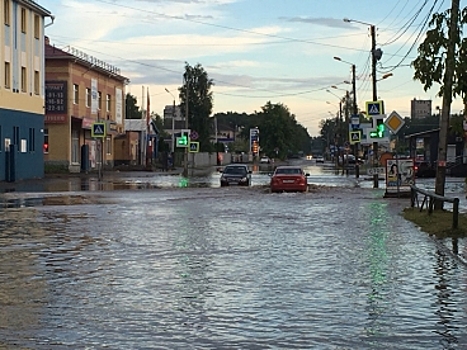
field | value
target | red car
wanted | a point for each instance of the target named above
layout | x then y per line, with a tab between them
289	178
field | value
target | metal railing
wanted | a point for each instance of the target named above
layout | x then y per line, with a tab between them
432	198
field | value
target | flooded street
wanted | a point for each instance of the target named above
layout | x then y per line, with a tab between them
204	267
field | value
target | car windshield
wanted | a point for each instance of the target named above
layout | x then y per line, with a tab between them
235	170
289	171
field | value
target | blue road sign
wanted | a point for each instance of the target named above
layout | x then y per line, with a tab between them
98	130
374	107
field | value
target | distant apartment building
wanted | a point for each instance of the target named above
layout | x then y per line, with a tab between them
22	89
420	109
81	92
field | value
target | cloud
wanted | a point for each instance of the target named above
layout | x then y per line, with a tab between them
321	21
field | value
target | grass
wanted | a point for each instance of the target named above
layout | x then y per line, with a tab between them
439	223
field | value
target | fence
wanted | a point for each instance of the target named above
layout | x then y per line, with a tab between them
432	199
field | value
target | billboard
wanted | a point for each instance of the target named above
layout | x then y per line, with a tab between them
399	175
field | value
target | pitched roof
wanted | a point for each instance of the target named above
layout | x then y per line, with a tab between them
35	7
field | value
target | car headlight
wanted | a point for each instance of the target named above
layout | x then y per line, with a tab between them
243	179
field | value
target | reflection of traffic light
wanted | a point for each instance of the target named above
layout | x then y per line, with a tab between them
255	147
379	130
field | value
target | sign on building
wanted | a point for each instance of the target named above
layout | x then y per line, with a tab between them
56	97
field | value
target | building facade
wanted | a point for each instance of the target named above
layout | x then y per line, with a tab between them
22	89
82	92
420	109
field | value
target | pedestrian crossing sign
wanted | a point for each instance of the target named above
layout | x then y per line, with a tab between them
355	136
194	147
98	130
374	107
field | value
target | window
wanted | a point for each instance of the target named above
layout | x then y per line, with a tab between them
6	11
23	20
36	82
88	97
46	141
99	100
108	103
24	145
37	29
32	140
75	94
7	75
16	135
108	144
75	148
23	79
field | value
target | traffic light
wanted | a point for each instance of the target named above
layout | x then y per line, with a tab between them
182	141
379	130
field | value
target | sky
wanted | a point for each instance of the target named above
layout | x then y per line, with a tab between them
255	51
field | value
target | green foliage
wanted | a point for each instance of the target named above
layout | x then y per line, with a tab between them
132	109
278	129
430	65
197	95
239	145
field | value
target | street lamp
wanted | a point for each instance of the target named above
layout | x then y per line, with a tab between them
376	55
173	122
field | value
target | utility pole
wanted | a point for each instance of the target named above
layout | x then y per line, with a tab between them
375	98
447	100
355	113
185	157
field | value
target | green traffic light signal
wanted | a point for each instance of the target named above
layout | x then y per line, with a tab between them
183	140
379	132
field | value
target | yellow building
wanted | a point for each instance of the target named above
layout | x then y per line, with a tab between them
22	89
84	96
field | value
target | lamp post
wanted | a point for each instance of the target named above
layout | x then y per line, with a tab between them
173	122
375	57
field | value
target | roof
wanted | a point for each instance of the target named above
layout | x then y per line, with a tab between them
35	7
289	166
422	133
54	53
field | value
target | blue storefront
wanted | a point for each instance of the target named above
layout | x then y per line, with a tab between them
21	145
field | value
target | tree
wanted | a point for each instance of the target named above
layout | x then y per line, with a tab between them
279	133
131	107
197	95
437	63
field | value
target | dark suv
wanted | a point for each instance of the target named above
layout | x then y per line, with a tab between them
236	174
424	169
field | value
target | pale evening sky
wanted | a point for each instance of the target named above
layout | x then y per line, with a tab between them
255	50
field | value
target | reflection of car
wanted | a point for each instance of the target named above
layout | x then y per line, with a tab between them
289	178
424	169
319	159
236	174
265	160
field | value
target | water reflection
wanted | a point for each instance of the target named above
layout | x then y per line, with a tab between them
447	310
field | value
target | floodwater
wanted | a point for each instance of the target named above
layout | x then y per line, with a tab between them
229	268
